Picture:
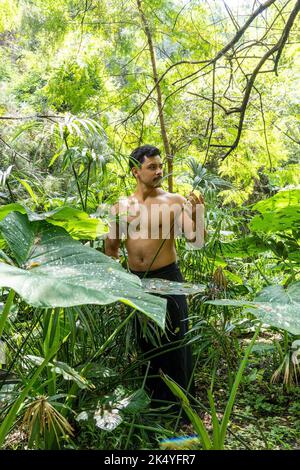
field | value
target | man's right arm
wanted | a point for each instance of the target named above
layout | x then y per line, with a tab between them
112	242
112	248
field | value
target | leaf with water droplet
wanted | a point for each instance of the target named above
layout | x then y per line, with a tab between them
65	273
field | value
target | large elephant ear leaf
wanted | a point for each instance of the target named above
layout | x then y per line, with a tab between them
279	307
275	306
77	223
278	294
38	243
19	235
281	200
58	271
13	207
166	287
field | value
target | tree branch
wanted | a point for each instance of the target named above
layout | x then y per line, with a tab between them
159	96
208	62
278	47
13	150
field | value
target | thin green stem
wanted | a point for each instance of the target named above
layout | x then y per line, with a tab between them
134	416
10	191
19	350
87	183
112	336
11	415
74	172
234	389
6	310
104	346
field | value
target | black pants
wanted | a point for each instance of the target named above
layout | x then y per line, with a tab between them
172	358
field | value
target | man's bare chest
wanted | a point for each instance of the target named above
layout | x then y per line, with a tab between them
151	220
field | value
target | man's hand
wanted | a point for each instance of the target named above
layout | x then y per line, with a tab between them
191	205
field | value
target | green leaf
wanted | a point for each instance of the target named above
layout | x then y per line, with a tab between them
165	287
78	223
138	401
10	417
55	157
109	411
215	421
230	302
60	272
234	389
293	256
279	307
281	200
276	221
5	258
275	306
242	248
5	210
234	278
192	415
28	189
280	212
69	373
19	235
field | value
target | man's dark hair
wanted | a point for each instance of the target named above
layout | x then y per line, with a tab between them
137	157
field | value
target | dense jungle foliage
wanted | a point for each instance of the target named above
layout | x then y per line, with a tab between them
216	86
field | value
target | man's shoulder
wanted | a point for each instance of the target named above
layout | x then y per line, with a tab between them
175	198
120	204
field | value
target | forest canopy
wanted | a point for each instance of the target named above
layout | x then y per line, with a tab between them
223	87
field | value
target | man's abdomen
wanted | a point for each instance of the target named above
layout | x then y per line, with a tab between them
150	254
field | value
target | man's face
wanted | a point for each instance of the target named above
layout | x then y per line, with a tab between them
150	173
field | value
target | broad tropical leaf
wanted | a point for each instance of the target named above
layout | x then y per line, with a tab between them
280	212
275	306
279	307
57	271
281	200
78	223
69	373
230	302
165	287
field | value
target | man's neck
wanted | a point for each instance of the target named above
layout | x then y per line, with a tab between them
142	192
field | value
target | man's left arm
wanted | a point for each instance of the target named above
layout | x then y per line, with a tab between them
190	219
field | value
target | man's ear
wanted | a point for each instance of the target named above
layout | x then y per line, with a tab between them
134	171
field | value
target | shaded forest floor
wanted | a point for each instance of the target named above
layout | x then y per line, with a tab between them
265	417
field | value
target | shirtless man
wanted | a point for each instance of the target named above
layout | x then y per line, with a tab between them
153	218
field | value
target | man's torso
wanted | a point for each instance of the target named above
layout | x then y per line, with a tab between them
150	240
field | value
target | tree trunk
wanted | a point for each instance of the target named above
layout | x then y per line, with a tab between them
159	97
